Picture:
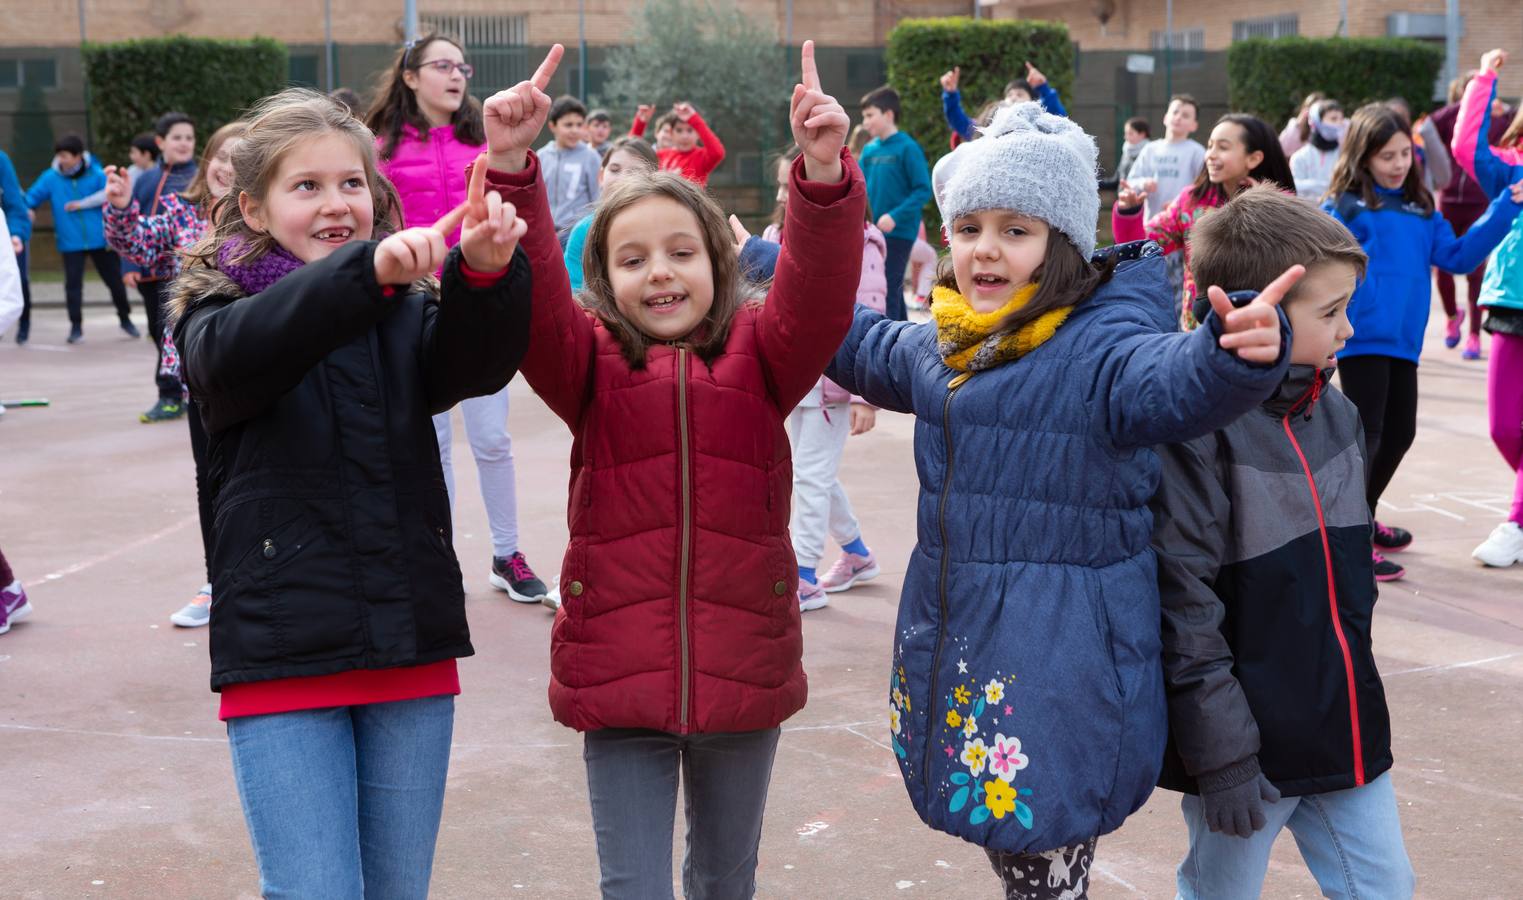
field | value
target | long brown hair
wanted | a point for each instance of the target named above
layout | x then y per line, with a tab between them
1064	278
396	104
730	289
199	191
1371	128
274	127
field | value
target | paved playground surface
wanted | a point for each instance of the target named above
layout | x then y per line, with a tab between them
114	772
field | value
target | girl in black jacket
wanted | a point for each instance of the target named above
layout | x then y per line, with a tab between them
317	356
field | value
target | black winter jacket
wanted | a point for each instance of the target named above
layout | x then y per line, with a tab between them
1267	587
332	544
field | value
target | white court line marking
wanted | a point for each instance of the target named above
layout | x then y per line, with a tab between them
46	729
1444	667
114	734
839	726
124	548
1105	872
874	741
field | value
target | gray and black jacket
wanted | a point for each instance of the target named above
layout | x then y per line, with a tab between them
1263	542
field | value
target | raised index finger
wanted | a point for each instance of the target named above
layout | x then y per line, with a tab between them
546	70
452	219
811	74
477	190
1281	286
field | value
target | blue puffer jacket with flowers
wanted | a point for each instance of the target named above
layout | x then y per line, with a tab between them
1026	702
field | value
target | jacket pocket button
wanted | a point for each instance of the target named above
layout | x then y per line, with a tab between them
780	588
270	549
575	588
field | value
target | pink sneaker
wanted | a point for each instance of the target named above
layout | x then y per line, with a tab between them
849	570
811	597
1452	330
1472	347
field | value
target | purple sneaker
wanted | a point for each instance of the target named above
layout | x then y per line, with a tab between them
849	570
13	606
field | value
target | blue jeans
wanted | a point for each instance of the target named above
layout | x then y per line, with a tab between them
632	779
344	803
1351	841
896	260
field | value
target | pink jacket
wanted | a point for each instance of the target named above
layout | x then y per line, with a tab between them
429	175
1169	228
872	292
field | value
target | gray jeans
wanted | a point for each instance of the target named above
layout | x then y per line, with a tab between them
632	778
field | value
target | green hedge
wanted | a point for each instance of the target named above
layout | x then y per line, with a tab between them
213	81
990	53
1270	77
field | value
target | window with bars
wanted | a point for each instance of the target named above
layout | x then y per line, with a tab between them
1272	27
495	45
1189	48
1191	39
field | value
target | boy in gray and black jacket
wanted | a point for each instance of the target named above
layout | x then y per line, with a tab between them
1276	712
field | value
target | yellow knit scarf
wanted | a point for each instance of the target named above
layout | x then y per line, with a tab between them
967	339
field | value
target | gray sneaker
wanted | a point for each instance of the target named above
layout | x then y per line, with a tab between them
197	612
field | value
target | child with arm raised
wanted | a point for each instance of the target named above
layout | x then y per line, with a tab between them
678	646
1026	668
318	356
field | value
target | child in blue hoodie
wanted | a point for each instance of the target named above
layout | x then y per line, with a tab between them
78	230
1026	706
1378	193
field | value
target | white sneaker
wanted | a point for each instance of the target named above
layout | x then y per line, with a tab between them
1503	548
197	612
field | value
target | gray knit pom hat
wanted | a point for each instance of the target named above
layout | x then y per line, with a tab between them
1029	161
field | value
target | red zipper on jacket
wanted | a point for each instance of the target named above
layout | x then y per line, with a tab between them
1332	588
685	555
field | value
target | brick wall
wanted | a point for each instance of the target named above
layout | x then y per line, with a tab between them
53	23
1488	23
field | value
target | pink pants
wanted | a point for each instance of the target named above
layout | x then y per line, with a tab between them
1504	396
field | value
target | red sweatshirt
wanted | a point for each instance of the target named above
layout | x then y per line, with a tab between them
695	164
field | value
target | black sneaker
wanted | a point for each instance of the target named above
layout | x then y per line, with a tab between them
512	574
1385	570
130	329
23	332
76	334
163	411
1391	540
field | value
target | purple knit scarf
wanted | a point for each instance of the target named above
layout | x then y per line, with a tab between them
257	274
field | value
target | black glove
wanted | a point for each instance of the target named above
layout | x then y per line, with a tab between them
1234	798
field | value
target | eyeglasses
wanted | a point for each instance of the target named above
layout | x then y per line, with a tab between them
445	66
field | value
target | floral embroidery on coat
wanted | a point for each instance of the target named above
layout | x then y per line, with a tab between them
971	731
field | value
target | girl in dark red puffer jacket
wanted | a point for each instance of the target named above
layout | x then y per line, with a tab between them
678	645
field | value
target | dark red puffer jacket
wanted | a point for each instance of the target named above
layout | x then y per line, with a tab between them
679	587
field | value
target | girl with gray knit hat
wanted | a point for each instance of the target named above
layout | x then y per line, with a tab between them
1026	698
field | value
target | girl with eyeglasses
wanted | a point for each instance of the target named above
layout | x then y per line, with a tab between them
428	129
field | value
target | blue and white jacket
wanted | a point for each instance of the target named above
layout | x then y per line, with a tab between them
1389	311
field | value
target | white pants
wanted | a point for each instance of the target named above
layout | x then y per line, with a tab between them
818	435
486	427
